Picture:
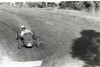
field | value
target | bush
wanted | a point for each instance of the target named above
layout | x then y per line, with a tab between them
31	4
62	5
41	4
20	4
77	5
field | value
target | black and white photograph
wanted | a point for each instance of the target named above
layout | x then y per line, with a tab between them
49	33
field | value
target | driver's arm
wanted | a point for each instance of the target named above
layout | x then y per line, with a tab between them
29	32
22	33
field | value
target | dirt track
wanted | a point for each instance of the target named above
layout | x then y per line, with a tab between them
57	30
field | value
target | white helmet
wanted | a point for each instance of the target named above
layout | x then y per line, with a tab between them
22	26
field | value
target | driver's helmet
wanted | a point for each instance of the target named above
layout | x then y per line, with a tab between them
22	27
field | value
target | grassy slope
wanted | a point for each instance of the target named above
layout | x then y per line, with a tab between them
56	29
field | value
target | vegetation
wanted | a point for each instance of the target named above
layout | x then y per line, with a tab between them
31	4
90	6
20	4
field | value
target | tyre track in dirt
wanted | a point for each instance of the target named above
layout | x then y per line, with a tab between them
9	34
45	19
58	36
58	25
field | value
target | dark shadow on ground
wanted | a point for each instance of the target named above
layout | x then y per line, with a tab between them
87	48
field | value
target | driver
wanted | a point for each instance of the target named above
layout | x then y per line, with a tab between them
24	31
